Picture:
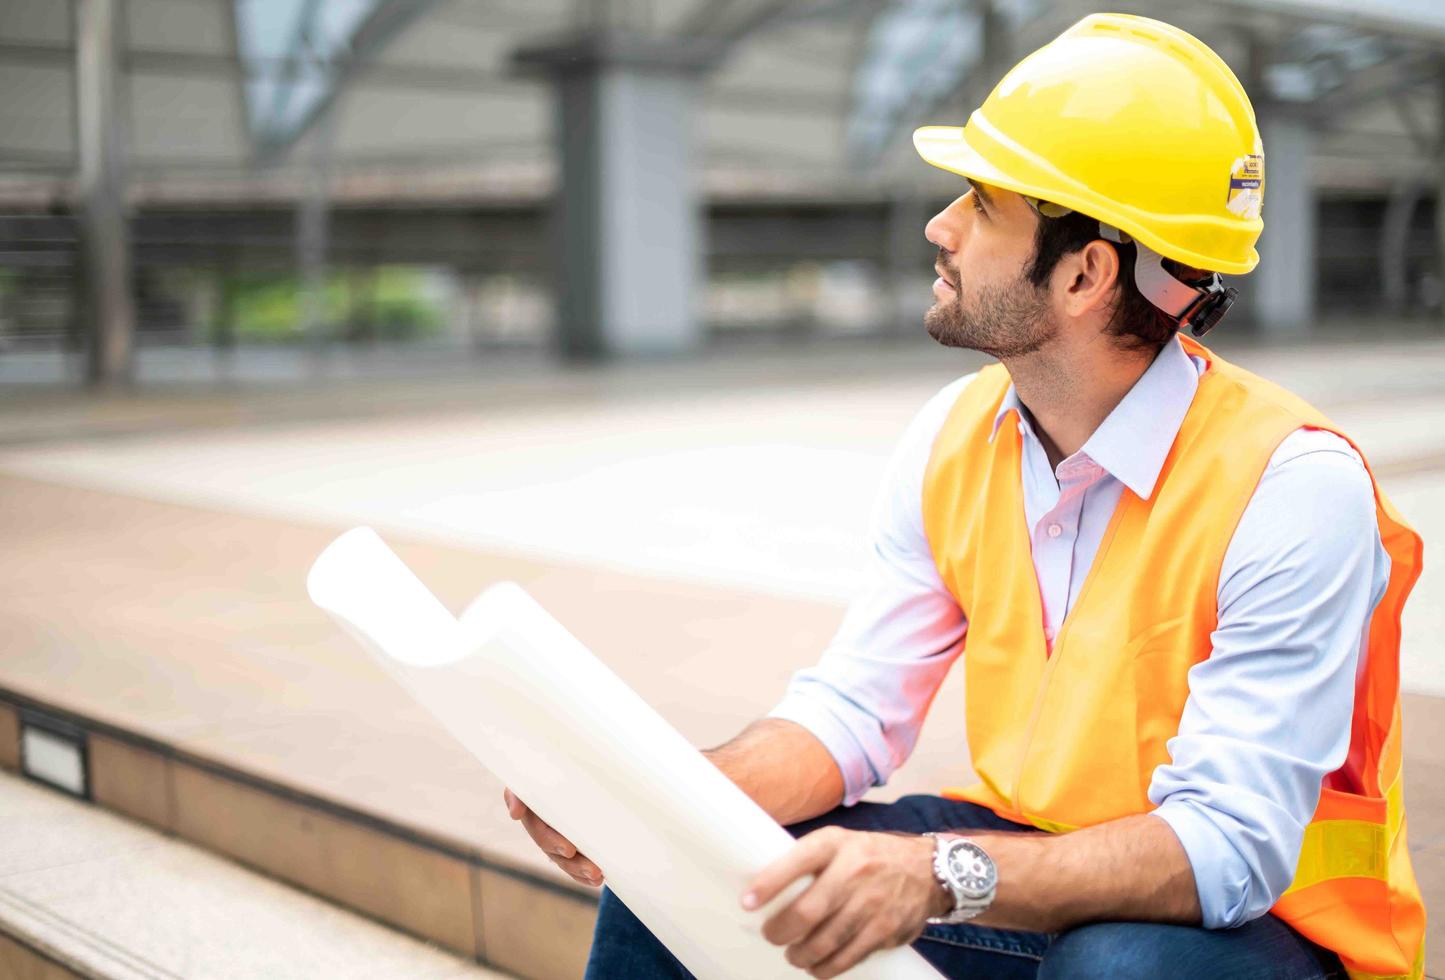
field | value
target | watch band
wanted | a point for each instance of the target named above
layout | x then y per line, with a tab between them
965	871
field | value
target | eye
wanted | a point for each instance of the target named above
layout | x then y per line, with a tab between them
977	204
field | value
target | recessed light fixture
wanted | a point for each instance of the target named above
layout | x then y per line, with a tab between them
53	751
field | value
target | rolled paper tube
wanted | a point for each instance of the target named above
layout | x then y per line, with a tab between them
676	840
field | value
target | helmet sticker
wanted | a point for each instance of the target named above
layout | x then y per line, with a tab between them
1246	186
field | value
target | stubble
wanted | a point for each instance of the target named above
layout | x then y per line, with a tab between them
1007	321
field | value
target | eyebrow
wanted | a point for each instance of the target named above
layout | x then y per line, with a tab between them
983	194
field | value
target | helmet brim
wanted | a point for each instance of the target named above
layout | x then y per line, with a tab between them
948	148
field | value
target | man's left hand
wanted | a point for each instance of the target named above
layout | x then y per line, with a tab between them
870	891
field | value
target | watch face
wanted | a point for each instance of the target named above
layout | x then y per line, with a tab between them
972	869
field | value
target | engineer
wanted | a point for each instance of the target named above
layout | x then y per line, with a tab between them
1174	589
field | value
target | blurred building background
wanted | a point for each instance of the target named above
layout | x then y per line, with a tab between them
585	177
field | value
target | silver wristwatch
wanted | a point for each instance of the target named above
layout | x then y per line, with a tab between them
967	873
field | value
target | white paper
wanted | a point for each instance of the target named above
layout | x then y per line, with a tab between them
676	840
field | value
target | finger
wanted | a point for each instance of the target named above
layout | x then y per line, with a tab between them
808	856
580	869
547	838
807	913
515	807
833	933
866	941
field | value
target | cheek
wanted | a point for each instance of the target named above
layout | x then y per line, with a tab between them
980	254
990	259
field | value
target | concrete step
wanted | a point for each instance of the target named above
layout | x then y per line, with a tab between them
85	892
440	890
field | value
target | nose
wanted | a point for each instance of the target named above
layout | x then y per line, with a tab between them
945	228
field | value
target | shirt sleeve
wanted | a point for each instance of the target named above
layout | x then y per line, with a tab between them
866	698
1268	714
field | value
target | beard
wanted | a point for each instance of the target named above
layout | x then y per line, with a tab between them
1003	321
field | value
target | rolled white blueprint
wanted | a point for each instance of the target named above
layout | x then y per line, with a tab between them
675	838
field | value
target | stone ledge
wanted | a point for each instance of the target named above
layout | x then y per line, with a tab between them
455	897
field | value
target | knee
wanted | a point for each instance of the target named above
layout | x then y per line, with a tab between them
1106	951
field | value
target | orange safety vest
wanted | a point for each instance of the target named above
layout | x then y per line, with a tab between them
1071	739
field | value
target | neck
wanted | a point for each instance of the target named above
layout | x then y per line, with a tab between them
1070	391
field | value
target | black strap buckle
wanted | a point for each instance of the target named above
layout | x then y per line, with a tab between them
1214	301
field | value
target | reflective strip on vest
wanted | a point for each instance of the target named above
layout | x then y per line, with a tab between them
1349	848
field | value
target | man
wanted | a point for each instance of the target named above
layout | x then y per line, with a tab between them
1174	588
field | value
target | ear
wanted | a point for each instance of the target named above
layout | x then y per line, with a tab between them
1092	272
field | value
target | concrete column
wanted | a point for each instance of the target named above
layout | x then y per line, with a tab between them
627	223
1439	154
1395	243
105	241
908	265
1285	286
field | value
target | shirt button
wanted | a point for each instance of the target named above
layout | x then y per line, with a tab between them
1055	530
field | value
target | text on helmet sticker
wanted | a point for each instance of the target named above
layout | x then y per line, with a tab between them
1246	186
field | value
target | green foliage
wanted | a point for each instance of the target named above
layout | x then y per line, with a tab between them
400	306
387	303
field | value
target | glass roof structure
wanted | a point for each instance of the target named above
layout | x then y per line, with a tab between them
293	54
288	49
916	54
813	98
918	51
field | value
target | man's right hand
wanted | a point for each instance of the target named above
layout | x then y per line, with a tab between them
561	851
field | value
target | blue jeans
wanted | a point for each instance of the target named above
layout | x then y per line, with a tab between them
1264	949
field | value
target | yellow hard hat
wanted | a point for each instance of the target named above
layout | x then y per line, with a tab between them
1133	122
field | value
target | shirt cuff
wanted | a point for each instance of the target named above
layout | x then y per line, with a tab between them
1221	876
842	745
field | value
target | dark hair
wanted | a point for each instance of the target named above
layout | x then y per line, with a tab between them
1137	323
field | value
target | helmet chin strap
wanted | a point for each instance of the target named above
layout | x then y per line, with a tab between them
1159	286
1198	308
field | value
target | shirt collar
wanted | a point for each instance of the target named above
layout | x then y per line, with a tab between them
1011	403
1133	441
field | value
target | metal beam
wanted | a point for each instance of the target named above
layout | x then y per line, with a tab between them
384	23
734	22
299	59
1425	141
1392	81
1416	20
708	16
784	13
422	78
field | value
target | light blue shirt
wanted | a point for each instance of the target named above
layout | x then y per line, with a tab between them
1268	714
